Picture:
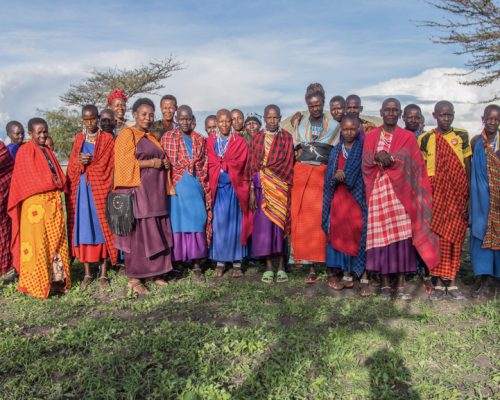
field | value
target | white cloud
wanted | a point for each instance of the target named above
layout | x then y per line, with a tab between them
431	86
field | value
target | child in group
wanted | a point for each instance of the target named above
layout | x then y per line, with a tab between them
39	242
270	172
90	171
344	209
15	132
189	207
447	153
485	200
229	192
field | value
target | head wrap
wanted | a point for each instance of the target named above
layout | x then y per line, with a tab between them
254	117
117	94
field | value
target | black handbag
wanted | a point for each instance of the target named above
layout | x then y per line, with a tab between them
120	212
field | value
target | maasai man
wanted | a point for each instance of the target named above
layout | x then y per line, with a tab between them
15	132
253	123
313	138
117	101
141	167
210	126
448	153
168	108
270	171
412	117
187	153
229	191
90	172
337	108
39	243
6	168
353	107
399	202
238	122
485	200
107	121
344	210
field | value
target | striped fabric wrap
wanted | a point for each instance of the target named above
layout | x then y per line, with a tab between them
491	238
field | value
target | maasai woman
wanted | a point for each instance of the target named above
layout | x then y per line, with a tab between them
117	101
140	167
447	153
399	203
253	123
229	191
313	138
39	243
344	209
90	171
485	200
187	153
270	171
6	168
15	132
238	122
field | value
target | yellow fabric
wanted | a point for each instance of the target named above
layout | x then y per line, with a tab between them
274	190
458	139
44	251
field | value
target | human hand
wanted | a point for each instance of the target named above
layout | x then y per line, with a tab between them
339	175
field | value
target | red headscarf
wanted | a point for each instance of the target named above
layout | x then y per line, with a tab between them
117	94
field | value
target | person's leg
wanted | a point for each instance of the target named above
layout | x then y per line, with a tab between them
312	276
219	269
197	271
401	291
103	279
87	278
386	289
281	275
334	281
237	272
453	291
365	289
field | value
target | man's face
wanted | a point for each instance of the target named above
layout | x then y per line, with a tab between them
16	134
353	107
412	119
444	116
168	109
39	134
337	109
238	120
210	126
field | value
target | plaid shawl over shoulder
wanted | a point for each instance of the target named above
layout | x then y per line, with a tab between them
99	174
6	168
356	186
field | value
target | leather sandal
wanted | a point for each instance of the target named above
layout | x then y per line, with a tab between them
84	284
103	282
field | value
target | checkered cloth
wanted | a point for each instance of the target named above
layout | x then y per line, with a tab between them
388	221
6	168
99	174
491	238
180	162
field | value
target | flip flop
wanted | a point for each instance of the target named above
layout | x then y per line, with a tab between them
311	278
455	293
281	276
438	293
365	288
268	277
386	294
348	282
335	283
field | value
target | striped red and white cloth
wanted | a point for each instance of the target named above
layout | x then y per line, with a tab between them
388	221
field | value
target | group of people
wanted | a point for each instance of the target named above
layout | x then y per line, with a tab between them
374	204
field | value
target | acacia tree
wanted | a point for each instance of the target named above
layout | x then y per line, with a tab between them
146	79
474	26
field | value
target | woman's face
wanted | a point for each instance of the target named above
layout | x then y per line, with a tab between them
119	107
185	120
144	117
224	123
315	106
89	120
252	127
39	134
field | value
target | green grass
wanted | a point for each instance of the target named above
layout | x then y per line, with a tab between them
245	340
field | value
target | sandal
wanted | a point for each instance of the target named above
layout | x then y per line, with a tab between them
428	285
268	277
84	284
402	295
281	276
365	288
137	289
438	293
237	273
219	271
311	278
103	283
198	276
455	293
348	281
335	283
386	293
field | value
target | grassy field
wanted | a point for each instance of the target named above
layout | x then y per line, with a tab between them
245	340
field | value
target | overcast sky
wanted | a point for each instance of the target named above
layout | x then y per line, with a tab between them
242	54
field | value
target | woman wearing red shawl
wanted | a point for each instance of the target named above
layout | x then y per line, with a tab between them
117	102
314	138
6	168
140	168
229	191
270	171
39	243
187	153
447	153
90	169
398	195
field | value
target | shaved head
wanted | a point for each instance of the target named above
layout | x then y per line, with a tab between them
391	100
443	103
185	108
224	111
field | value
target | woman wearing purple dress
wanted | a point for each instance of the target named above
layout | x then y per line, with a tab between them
140	167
